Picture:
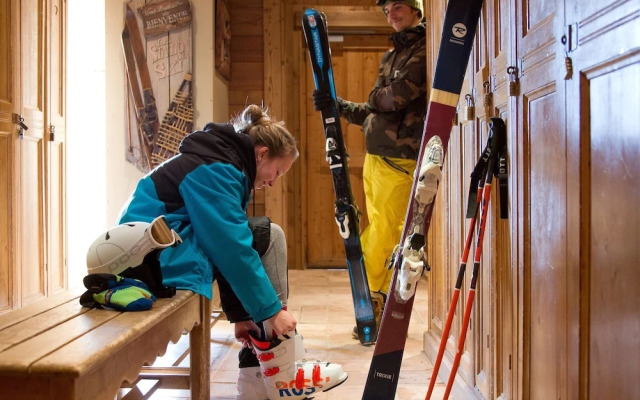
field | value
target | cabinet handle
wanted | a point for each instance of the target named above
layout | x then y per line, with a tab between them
17	119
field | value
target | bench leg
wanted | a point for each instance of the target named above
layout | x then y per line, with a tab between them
200	342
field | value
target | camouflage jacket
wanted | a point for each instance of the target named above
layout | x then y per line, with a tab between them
393	117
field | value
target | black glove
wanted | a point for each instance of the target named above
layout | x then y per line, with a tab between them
321	99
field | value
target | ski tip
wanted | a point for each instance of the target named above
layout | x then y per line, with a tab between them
367	334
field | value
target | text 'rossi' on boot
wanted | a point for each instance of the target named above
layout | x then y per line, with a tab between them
288	378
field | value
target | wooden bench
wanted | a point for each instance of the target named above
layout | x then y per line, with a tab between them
57	349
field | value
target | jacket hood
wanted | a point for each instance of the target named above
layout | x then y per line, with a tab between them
220	142
409	36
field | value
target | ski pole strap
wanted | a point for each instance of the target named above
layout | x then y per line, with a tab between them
494	155
499	132
477	177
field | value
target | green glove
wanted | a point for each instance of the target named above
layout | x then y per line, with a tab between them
112	291
126	298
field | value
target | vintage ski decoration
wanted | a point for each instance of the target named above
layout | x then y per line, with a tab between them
346	213
459	27
176	124
140	81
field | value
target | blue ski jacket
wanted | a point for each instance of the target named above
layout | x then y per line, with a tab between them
203	192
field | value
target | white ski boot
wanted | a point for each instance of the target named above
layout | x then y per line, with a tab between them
286	378
251	384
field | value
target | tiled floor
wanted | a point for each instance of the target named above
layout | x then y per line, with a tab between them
321	301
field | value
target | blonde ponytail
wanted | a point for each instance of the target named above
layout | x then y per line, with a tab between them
256	122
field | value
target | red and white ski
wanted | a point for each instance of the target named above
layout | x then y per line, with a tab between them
461	20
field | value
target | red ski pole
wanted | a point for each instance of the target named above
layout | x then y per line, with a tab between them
472	287
496	141
456	294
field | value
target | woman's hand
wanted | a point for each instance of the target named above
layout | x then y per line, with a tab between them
242	330
281	322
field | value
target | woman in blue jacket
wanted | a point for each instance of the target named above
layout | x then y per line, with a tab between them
203	192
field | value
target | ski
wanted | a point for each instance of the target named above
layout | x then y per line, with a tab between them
346	213
458	32
142	92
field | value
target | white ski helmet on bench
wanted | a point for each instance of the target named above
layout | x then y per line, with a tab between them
126	245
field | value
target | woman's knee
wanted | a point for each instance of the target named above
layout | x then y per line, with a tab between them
277	234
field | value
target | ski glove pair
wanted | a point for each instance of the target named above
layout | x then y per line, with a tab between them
116	292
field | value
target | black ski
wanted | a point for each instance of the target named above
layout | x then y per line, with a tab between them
458	31
346	213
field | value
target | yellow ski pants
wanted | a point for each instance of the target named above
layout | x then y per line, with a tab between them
387	187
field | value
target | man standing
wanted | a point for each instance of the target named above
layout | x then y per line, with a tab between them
392	120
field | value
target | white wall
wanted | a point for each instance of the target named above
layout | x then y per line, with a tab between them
99	178
86	132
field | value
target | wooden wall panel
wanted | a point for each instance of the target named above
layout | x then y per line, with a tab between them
611	295
546	261
247	49
8	67
247	54
502	341
604	146
247	20
276	71
32	237
247	68
30	197
56	217
6	214
544	168
246	76
55	149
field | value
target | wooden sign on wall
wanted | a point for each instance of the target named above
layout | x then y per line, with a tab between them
169	57
165	16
